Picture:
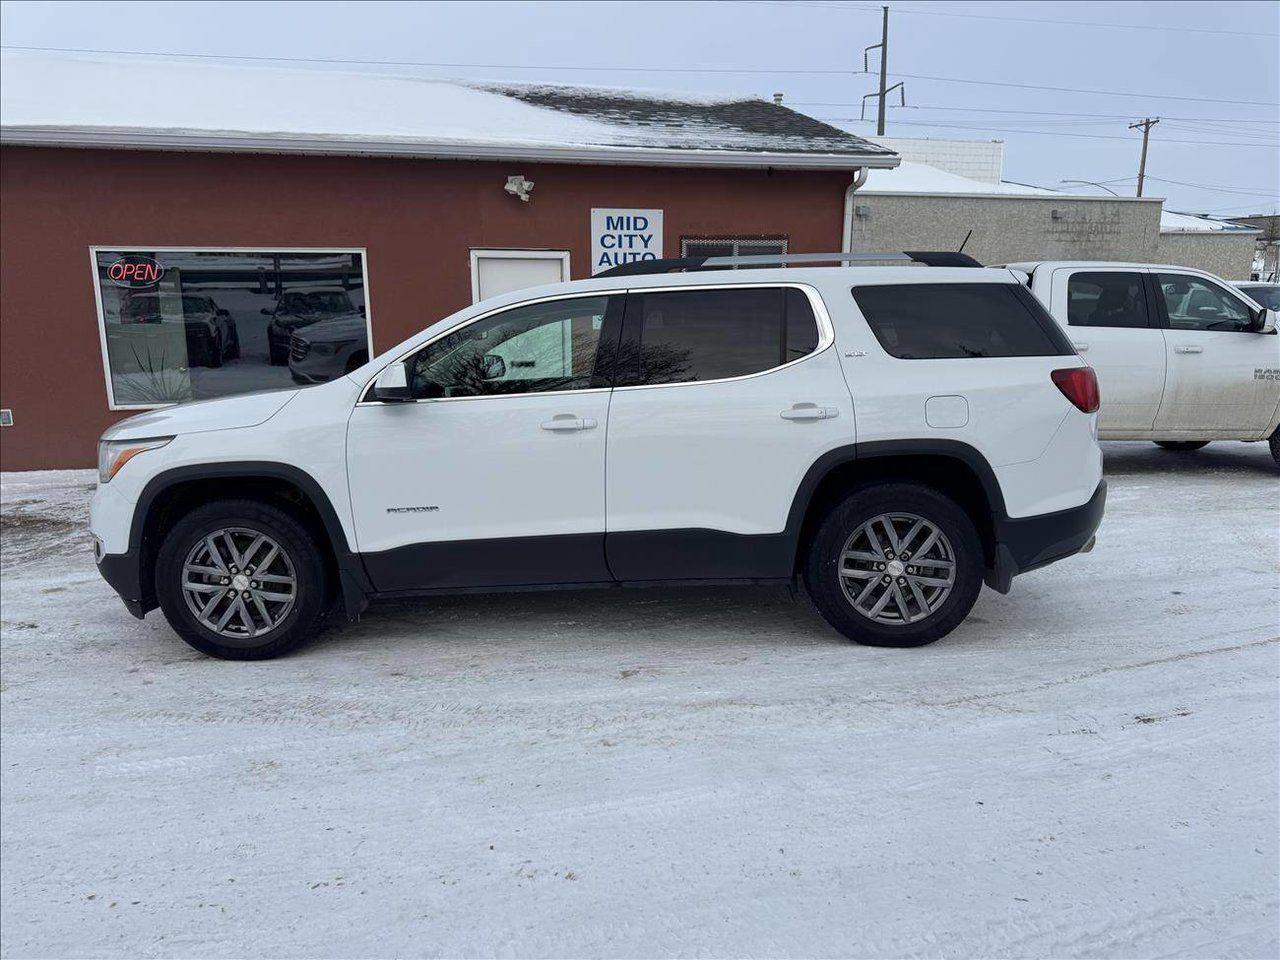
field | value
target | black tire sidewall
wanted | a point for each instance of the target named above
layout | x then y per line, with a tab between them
822	580
293	538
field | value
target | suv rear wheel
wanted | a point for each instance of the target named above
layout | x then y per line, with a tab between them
240	580
895	565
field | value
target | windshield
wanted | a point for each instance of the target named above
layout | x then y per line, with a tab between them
139	308
317	302
1267	294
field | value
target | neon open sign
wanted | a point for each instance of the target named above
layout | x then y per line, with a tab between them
134	272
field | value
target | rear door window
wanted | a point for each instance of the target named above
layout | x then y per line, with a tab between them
951	321
1106	300
698	335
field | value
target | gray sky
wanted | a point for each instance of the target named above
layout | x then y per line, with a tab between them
1220	58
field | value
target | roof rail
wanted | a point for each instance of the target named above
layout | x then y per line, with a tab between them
930	258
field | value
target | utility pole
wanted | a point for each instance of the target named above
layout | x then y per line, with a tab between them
885	89
1146	126
884	71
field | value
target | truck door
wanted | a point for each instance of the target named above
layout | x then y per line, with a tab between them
1214	359
1112	323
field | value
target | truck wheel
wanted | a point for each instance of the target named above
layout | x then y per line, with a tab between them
895	565
1182	446
240	580
1275	445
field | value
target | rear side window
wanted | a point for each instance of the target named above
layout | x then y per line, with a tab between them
946	321
1106	300
695	335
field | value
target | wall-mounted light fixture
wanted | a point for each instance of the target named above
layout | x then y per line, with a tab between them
518	186
862	212
1057	215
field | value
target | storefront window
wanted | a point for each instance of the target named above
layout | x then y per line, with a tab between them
194	324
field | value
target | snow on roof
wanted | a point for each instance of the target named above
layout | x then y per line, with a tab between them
920	178
1173	222
87	100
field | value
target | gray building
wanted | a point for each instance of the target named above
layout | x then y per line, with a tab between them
920	206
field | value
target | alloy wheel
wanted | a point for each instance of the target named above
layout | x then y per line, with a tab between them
239	583
897	568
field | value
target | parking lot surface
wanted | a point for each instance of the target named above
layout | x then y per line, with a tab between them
1086	767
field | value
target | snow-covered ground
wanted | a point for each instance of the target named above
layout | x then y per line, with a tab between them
1087	767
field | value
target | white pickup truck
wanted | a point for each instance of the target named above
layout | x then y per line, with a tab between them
1181	357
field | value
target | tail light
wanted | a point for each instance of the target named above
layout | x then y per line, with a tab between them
1080	386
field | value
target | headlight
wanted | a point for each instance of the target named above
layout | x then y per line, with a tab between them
325	349
114	454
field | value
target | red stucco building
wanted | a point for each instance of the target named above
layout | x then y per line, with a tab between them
163	249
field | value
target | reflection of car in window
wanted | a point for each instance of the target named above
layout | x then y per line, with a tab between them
1264	294
211	333
300	308
328	349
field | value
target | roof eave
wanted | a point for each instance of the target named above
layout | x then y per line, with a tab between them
87	137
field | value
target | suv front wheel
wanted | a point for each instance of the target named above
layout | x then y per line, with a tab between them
240	580
895	565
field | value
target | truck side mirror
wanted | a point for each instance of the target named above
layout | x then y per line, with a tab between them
1267	322
493	367
392	384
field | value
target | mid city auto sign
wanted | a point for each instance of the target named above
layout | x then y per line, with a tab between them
621	236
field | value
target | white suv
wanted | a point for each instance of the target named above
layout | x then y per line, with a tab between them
890	436
1182	357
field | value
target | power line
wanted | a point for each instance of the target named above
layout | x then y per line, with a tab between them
616	69
1102	93
1040	113
1037	20
1057	133
1247	191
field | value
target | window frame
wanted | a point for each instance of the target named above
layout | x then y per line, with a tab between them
1162	308
1038	313
826	332
826	339
1145	281
95	249
366	392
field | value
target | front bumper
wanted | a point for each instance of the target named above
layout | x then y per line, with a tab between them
1028	543
123	572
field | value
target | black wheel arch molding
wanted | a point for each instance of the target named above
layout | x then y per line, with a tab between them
130	573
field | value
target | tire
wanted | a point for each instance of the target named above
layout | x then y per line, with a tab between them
285	624
215	351
1275	445
233	352
278	358
1181	446
920	623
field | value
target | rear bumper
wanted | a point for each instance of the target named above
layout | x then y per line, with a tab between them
123	573
1029	543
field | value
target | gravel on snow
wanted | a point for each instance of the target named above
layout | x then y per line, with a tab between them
1087	767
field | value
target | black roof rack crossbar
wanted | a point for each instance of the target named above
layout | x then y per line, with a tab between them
930	258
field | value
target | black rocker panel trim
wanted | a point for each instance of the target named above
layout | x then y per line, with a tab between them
576	558
698	555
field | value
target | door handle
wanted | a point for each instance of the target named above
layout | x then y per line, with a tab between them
1188	348
809	411
1080	347
565	422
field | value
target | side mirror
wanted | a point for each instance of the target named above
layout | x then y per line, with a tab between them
1267	322
361	309
392	385
493	367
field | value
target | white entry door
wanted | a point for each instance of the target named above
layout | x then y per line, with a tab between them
495	272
